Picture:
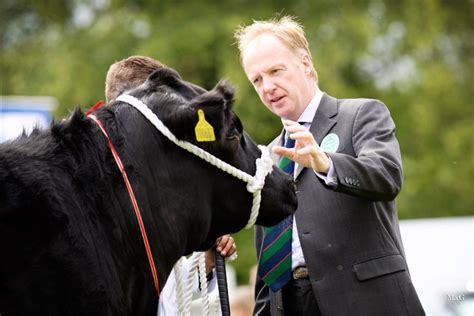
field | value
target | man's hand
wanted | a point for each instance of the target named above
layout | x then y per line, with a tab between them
307	152
225	246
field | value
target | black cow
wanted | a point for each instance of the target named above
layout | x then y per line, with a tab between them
69	239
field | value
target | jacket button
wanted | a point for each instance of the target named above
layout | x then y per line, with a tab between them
340	268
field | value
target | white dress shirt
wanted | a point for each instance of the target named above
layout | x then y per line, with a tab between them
297	258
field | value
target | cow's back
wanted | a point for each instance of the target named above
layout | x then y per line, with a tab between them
55	248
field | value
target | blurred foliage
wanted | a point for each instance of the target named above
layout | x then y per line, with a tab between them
416	56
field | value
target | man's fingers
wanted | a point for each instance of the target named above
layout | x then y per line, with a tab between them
288	123
229	249
233	248
221	242
282	151
301	135
295	128
291	126
305	150
225	245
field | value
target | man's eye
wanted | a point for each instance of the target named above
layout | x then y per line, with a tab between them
256	80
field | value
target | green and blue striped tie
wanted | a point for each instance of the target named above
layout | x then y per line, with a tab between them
275	258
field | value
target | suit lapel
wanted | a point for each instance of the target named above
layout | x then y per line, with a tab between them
323	121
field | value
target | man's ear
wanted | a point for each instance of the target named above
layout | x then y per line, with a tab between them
307	63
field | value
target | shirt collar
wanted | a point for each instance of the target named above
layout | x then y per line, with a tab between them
308	114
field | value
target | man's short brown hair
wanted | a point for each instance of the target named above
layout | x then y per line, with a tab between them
287	29
128	73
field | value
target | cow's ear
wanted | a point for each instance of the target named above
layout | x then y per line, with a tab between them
169	79
220	98
164	76
227	92
214	107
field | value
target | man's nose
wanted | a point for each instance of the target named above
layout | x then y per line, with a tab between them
268	85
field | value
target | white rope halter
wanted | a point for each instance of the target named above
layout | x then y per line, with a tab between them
254	184
184	284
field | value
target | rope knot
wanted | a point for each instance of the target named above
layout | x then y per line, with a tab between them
255	184
264	167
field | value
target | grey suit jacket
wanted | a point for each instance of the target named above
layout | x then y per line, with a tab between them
350	235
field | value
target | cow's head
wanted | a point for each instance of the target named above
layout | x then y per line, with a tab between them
176	102
64	206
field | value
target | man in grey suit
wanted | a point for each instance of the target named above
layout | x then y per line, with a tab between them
346	252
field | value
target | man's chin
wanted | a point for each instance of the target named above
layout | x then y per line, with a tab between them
282	113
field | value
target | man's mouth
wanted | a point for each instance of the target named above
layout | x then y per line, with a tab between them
276	99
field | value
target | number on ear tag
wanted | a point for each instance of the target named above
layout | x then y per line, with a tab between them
203	130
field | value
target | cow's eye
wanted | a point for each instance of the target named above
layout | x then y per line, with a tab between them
233	134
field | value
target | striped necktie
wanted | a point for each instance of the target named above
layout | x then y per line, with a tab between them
275	258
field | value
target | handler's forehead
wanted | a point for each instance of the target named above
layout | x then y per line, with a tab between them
264	51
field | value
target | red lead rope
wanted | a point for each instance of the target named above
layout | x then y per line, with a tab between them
134	202
94	107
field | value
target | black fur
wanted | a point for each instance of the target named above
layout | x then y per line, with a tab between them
69	238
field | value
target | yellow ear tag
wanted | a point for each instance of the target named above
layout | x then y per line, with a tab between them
203	130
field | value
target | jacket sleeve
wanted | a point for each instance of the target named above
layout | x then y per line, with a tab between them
375	172
262	291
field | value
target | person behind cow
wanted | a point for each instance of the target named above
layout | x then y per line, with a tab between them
122	76
341	253
128	73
